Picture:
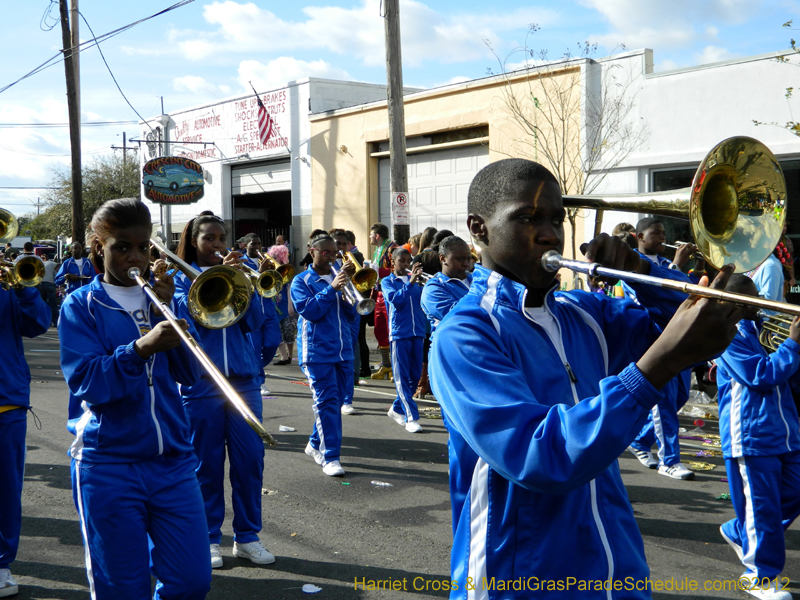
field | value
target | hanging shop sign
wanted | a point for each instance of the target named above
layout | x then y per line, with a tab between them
172	180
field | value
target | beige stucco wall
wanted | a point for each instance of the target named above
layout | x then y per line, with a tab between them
344	184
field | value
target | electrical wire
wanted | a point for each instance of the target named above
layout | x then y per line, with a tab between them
45	125
89	43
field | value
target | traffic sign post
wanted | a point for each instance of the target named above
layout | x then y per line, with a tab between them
400	218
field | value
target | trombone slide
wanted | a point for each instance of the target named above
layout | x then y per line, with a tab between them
205	361
364	306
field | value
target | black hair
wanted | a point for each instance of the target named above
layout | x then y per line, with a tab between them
351	237
501	180
186	250
398	251
426	238
323	237
451	243
738	283
249	237
335	233
646	223
28	246
316	233
440	235
113	215
381	229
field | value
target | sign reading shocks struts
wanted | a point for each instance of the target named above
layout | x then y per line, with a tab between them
172	180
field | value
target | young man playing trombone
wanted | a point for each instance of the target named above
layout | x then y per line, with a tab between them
541	391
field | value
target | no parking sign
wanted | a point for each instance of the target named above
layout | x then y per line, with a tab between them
400	208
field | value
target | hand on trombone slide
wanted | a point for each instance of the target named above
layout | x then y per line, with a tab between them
343	276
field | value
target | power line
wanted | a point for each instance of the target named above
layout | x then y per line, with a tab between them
83	124
92	42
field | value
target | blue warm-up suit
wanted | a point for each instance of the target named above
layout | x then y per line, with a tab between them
217	425
407	326
440	294
536	422
70	266
325	352
266	340
22	313
133	478
760	434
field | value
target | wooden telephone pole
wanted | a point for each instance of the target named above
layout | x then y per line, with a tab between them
398	166
70	42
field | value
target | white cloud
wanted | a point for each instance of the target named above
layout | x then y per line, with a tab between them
427	35
281	70
712	54
195	85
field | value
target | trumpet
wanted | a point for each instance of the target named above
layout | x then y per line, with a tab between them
364	306
774	330
677	245
268	284
205	361
218	297
28	271
552	261
286	271
423	277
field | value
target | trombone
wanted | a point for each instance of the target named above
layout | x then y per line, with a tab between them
268	284
218	297
362	281
552	261
205	361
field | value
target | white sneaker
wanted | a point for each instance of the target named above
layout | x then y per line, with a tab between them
333	469
413	427
398	418
362	382
645	457
254	552
751	585
736	547
315	454
8	586
265	391
347	409
216	557
676	471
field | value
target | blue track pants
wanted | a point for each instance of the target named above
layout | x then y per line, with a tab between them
765	491
406	370
138	518
216	427
330	383
13	424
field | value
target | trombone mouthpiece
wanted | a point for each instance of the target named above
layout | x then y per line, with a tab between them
551	261
133	273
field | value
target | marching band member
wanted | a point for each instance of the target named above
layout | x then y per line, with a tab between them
133	478
216	425
340	238
760	433
382	261
443	291
325	348
75	271
22	313
537	408
407	336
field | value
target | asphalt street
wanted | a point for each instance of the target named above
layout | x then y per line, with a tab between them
332	532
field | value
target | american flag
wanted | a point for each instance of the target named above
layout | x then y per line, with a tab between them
266	125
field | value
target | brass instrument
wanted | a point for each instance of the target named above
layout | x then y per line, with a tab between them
678	245
268	284
205	361
552	261
28	271
736	205
218	297
286	271
9	226
774	331
362	281
364	306
423	277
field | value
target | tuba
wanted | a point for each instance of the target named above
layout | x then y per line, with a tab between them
736	205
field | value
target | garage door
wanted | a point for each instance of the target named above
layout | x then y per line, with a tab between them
261	177
438	183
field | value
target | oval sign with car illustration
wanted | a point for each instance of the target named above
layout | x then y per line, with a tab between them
172	180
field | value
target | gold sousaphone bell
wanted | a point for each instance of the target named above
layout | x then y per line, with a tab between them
736	205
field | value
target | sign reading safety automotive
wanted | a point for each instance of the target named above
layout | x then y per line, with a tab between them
172	180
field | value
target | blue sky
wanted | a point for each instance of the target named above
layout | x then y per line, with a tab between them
208	50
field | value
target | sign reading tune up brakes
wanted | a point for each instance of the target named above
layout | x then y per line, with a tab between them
172	180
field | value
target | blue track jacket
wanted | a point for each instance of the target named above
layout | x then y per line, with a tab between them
536	425
768	277
70	266
440	294
324	329
21	313
121	408
757	414
230	349
406	318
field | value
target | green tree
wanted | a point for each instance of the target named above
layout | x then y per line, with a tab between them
791	125
105	178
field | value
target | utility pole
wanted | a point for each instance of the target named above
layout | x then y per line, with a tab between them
124	149
70	55
398	167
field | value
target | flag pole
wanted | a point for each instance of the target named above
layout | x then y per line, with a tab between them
273	120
